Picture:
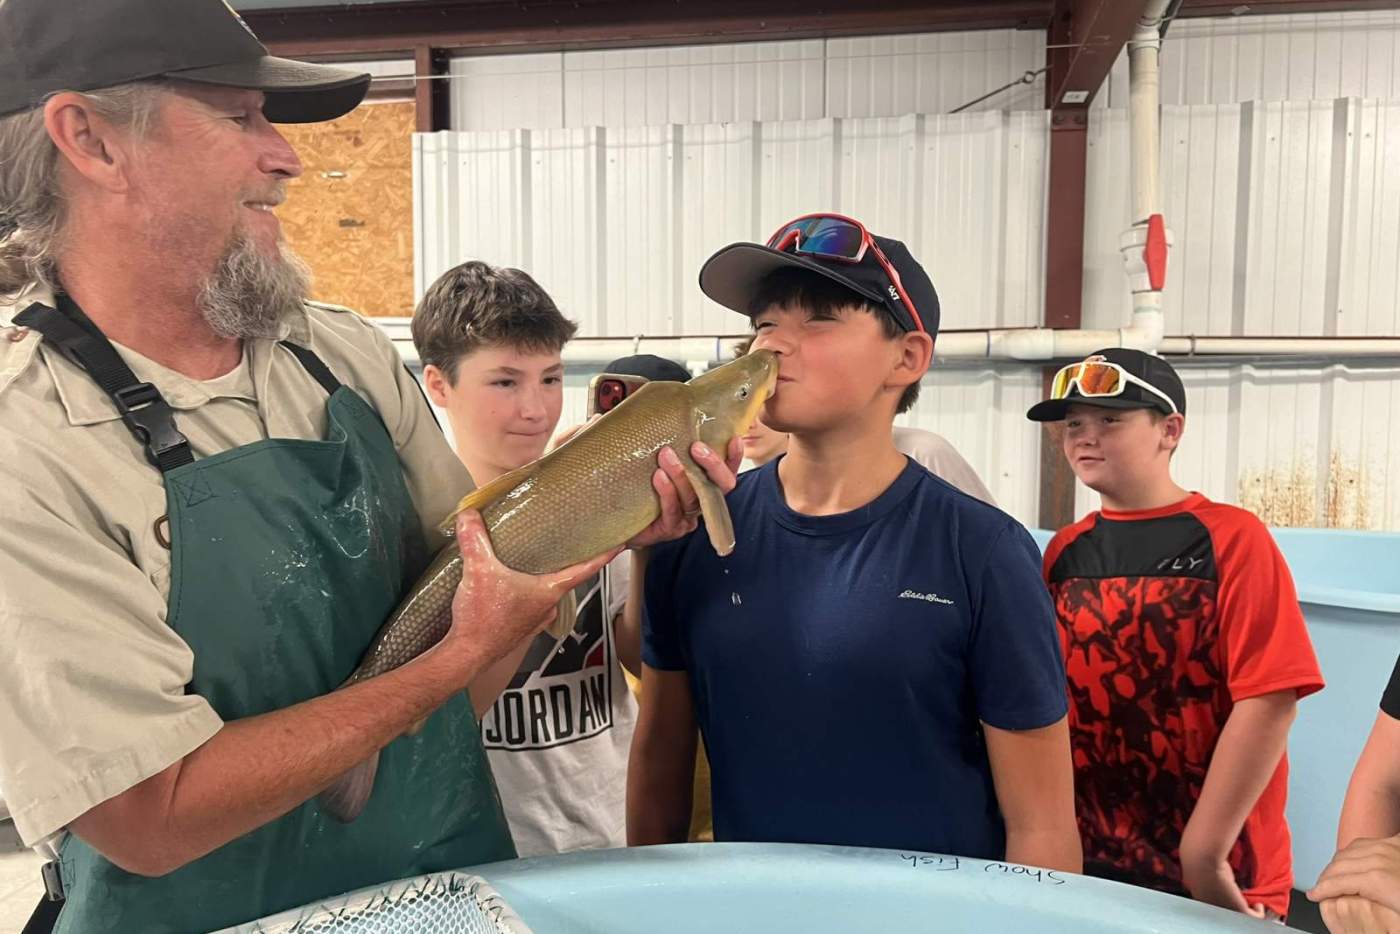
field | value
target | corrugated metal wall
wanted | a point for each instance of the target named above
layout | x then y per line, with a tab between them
874	76
1305	56
616	222
1220	60
1286	214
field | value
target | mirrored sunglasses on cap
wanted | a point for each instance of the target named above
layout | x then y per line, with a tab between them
1097	378
840	238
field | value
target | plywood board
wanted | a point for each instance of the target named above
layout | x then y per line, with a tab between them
350	214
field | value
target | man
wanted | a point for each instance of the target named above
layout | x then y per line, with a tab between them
214	494
876	665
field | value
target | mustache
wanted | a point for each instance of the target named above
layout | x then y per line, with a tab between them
275	197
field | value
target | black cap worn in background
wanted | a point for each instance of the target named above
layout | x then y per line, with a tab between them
732	276
1154	371
649	367
48	46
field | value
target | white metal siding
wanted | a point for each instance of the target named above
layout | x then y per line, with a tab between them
1286	214
616	222
612	175
875	76
1300	56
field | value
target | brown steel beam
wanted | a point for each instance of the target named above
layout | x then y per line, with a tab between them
1083	40
1086	37
502	26
432	102
1064	289
1064	228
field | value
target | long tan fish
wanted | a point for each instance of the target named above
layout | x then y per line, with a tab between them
586	497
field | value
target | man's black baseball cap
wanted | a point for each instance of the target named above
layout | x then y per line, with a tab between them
1154	371
48	46
649	367
732	277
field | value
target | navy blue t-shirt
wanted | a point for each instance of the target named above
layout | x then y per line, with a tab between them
840	664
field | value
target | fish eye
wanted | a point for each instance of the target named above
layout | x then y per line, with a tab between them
743	392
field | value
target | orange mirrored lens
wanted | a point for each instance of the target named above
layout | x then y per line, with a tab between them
1099	379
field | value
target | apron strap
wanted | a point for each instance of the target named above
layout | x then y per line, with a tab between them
44	919
142	407
313	365
146	413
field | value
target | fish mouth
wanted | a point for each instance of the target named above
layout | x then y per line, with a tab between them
765	385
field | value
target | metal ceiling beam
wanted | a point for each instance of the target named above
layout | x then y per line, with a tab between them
432	100
504	26
1086	38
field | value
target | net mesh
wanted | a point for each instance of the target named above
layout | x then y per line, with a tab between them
442	903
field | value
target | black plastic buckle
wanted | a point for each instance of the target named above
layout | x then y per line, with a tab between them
53	882
147	413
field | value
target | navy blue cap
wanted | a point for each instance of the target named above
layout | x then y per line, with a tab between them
732	277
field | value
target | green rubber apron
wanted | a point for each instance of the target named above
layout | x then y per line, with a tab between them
286	558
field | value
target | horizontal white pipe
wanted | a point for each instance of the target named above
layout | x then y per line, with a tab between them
1029	345
1282	346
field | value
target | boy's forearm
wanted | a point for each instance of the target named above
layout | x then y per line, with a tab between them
1372	807
627	628
1049	847
1245	759
661	767
659	796
1034	780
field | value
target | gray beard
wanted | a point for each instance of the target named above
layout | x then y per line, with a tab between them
249	294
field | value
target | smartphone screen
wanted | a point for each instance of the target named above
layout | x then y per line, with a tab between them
609	389
610	393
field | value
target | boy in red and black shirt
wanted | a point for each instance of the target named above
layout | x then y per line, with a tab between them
1185	650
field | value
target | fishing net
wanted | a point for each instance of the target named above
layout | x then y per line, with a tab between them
442	903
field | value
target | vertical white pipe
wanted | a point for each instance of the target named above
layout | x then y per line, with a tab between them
1145	99
1144	82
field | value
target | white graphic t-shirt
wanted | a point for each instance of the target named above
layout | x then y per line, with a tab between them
558	737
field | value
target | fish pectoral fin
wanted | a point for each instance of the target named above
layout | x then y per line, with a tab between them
564	622
347	796
484	496
718	522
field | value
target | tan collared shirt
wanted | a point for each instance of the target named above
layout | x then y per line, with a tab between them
92	680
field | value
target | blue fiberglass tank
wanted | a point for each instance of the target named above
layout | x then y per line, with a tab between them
1349	585
736	888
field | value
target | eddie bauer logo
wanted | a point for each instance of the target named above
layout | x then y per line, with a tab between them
926	597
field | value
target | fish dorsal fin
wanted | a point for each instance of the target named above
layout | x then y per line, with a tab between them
484	496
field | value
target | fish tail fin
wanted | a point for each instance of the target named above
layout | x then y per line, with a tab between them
348	794
484	496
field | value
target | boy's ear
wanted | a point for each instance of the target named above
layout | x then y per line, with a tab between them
436	384
1173	427
915	355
